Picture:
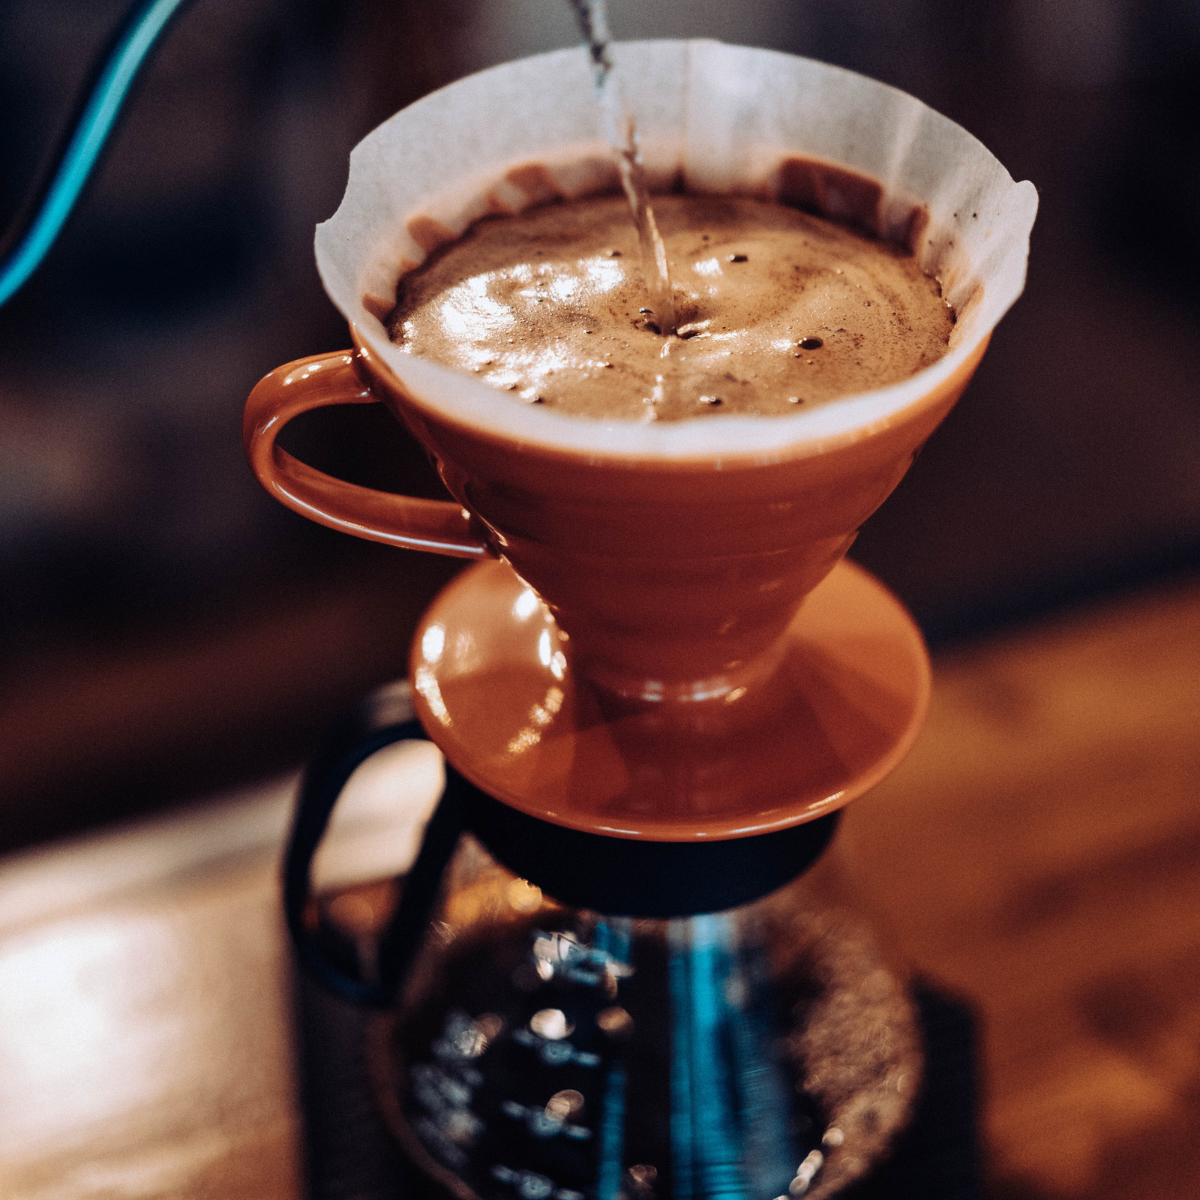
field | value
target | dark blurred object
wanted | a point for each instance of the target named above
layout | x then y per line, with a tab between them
1145	194
159	613
1067	470
186	274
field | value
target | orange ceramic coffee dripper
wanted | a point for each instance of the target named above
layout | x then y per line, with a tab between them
670	646
636	663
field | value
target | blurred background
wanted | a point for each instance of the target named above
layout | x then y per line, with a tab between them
168	632
167	629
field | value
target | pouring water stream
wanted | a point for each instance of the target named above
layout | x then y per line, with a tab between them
621	131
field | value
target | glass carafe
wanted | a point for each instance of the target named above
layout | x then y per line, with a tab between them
569	1016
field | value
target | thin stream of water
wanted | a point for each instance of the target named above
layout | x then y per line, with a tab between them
620	129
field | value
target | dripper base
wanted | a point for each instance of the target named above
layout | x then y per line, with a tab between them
496	690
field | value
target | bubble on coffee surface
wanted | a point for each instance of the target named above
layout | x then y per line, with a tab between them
777	310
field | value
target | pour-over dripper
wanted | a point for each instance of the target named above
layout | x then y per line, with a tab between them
675	560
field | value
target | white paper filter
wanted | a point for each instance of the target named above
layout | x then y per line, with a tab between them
723	117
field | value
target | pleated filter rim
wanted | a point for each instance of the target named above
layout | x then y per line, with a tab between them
715	118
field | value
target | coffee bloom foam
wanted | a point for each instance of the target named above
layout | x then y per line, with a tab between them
713	118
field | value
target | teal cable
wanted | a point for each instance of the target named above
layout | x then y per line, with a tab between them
95	124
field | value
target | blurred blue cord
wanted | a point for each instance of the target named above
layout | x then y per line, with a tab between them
133	45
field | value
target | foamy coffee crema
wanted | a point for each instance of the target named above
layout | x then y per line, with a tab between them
776	310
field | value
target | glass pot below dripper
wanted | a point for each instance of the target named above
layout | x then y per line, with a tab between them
540	1049
547	1051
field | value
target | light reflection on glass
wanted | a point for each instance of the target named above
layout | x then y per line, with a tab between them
565	1104
544	650
551	1024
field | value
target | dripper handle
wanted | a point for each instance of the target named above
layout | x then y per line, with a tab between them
369	728
439	526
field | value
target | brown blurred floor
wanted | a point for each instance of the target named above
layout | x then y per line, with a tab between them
1039	854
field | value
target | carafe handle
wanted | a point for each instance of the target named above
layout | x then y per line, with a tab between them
370	727
439	526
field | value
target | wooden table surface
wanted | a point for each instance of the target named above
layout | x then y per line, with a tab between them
1038	854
